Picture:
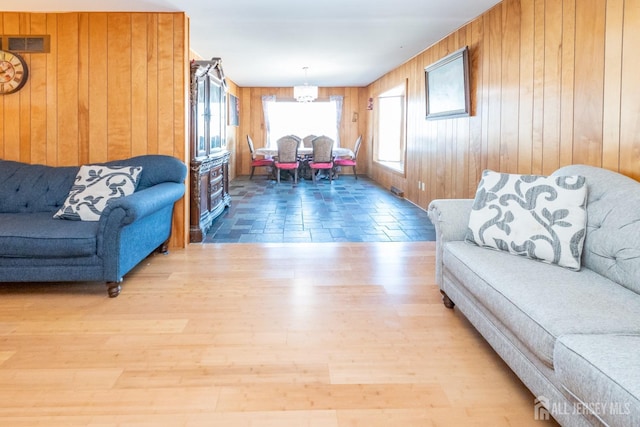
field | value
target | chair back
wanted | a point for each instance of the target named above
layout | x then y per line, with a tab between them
356	148
322	149
287	149
297	138
306	141
251	149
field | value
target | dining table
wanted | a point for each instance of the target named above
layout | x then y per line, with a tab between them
304	151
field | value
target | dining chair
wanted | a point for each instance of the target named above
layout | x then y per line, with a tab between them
350	161
321	156
287	158
255	161
306	141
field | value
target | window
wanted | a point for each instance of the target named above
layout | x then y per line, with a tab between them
302	119
389	145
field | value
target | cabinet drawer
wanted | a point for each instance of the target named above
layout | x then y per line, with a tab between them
215	173
216	197
215	187
215	178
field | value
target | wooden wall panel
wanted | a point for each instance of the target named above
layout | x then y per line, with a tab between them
552	87
37	96
51	95
612	82
180	85
510	86
25	115
139	98
630	92
461	155
67	104
526	87
98	89
112	86
589	82
553	83
538	87
568	79
152	83
165	83
475	165
493	34
119	81
83	88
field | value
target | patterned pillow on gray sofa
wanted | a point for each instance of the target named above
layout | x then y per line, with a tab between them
535	216
93	187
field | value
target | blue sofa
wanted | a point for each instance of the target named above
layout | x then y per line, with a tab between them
36	247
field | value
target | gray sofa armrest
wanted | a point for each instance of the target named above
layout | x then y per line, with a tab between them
450	218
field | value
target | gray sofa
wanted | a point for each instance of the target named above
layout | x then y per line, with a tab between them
36	247
573	338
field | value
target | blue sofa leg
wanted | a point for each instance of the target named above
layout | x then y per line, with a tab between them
164	248
113	288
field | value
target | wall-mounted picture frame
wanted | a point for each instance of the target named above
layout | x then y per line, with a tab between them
447	86
234	110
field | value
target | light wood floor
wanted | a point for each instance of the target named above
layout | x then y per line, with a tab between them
335	334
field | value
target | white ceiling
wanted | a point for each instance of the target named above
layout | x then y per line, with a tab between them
266	43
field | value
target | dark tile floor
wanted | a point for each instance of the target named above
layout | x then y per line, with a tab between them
347	210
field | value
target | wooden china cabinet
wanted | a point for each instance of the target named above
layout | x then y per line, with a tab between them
209	156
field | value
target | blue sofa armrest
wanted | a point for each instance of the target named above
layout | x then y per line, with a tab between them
144	202
134	208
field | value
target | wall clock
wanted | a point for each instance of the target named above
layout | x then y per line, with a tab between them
13	72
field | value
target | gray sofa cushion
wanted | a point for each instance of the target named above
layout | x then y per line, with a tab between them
612	245
39	235
540	302
601	371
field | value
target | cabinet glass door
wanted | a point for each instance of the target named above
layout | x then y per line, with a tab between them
201	118
217	127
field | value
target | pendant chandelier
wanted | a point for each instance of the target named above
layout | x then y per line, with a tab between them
305	93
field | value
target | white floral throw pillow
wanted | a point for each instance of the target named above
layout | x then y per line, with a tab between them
94	187
539	217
